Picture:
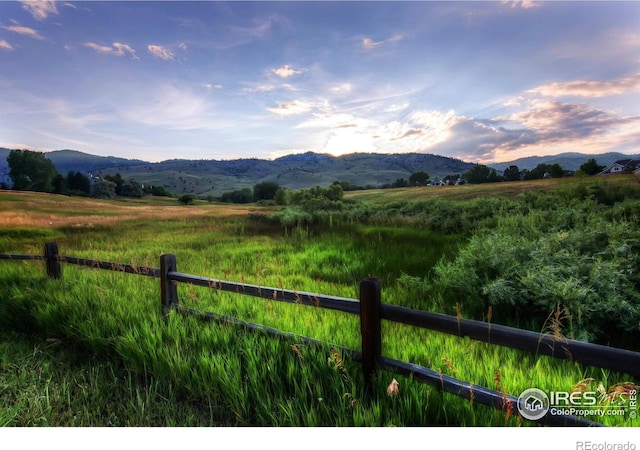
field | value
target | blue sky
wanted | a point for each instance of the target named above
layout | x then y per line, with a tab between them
481	81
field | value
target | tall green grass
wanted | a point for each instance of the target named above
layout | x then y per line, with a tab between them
237	378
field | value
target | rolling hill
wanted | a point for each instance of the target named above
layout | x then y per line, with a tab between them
297	171
213	177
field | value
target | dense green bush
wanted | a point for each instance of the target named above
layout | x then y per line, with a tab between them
187	199
533	265
265	190
103	189
310	206
239	196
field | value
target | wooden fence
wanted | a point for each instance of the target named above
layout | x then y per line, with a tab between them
371	311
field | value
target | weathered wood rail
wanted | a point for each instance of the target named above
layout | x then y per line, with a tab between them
371	311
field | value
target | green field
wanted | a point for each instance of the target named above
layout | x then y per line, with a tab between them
94	348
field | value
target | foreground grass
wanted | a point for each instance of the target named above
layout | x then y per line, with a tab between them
223	376
138	367
52	384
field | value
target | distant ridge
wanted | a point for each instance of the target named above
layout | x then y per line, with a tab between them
66	160
568	161
296	171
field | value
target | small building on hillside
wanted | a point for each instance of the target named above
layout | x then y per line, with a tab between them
621	166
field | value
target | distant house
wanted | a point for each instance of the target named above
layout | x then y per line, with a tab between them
621	166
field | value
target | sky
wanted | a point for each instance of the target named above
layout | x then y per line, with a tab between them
481	81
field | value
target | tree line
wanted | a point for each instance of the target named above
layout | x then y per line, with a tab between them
270	192
33	171
484	174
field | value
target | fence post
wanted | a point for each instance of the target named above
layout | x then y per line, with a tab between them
168	289
370	329
51	258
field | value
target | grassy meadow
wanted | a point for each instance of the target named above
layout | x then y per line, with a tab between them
94	349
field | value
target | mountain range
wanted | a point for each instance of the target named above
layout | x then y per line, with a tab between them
298	171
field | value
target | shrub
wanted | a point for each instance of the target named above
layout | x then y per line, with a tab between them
526	268
265	190
103	189
187	199
239	196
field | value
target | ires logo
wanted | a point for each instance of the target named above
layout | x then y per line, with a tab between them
534	404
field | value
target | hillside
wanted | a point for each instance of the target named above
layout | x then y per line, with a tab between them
568	161
213	177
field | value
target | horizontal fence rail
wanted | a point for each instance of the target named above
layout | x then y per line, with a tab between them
347	305
616	359
115	266
371	311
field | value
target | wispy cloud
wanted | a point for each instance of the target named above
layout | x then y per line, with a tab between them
171	107
606	46
524	4
285	72
121	49
4	45
260	29
583	88
292	108
160	52
268	87
340	88
68	114
260	87
40	9
397	107
116	49
334	120
25	31
370	44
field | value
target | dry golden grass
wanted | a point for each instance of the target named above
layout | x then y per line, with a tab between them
40	210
